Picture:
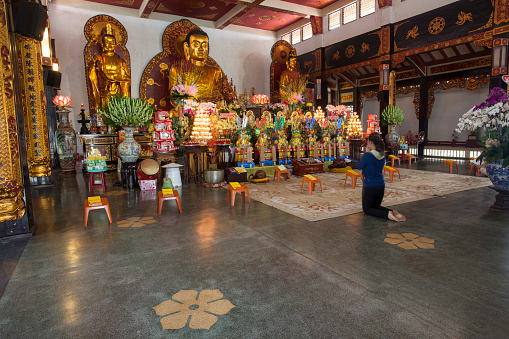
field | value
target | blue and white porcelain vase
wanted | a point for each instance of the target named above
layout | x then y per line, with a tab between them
498	175
129	150
66	142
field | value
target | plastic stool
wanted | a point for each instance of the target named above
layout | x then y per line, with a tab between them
391	171
354	175
393	159
278	173
451	163
311	184
473	165
410	157
242	189
161	198
104	204
92	184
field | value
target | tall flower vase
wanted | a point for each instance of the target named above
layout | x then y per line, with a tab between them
129	150
66	142
392	138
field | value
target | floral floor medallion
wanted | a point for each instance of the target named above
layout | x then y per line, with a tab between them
202	309
410	241
136	222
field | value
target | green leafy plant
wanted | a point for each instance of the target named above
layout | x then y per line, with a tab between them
392	115
123	111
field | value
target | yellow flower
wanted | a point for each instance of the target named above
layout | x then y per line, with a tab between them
188	305
410	241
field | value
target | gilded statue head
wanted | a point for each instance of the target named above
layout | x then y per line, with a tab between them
196	47
291	62
108	40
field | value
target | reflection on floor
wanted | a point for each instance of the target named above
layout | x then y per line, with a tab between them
252	271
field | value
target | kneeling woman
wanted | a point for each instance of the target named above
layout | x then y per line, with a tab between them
372	165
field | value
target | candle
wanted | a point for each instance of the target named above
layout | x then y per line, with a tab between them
81	105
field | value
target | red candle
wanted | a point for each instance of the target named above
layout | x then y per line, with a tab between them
82	106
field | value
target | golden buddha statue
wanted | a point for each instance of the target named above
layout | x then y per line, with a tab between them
109	73
196	72
291	81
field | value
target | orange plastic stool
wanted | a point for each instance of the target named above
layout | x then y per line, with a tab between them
410	157
451	163
242	189
278	173
354	175
92	184
104	204
311	184
161	198
391	171
473	165
393	159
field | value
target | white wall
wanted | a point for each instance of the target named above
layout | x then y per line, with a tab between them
449	106
411	123
243	57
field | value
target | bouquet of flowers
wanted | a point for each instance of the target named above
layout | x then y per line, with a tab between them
493	116
335	110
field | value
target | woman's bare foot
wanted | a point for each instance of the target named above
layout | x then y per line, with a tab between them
392	217
398	215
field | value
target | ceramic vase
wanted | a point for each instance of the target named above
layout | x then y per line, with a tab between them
66	142
392	138
498	175
129	150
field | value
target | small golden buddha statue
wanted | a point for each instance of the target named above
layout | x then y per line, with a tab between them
109	73
203	76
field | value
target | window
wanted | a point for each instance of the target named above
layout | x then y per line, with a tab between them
367	7
334	19
286	37
296	36
349	13
307	32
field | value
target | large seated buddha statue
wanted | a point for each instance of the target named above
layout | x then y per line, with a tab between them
194	70
109	73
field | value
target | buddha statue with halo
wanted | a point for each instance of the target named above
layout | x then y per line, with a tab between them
194	70
291	80
109	73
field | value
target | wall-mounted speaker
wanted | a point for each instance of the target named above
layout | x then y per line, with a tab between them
383	96
52	78
30	19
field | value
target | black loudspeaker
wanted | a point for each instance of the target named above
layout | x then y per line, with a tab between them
52	78
31	18
383	96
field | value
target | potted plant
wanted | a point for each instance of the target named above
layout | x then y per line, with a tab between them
493	117
127	113
392	116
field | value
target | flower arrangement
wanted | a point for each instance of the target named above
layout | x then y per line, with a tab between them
123	111
294	89
392	115
335	110
190	106
493	116
62	102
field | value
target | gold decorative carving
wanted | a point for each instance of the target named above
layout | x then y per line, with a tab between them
470	83
350	51
384	35
464	17
396	48
487	25
462	65
34	106
501	11
413	33
364	47
336	56
346	97
436	25
12	206
345	85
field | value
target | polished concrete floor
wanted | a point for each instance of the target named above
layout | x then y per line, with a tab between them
286	277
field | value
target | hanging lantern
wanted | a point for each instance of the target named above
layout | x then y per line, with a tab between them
260	99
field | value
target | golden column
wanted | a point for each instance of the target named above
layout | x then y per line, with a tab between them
34	106
12	206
